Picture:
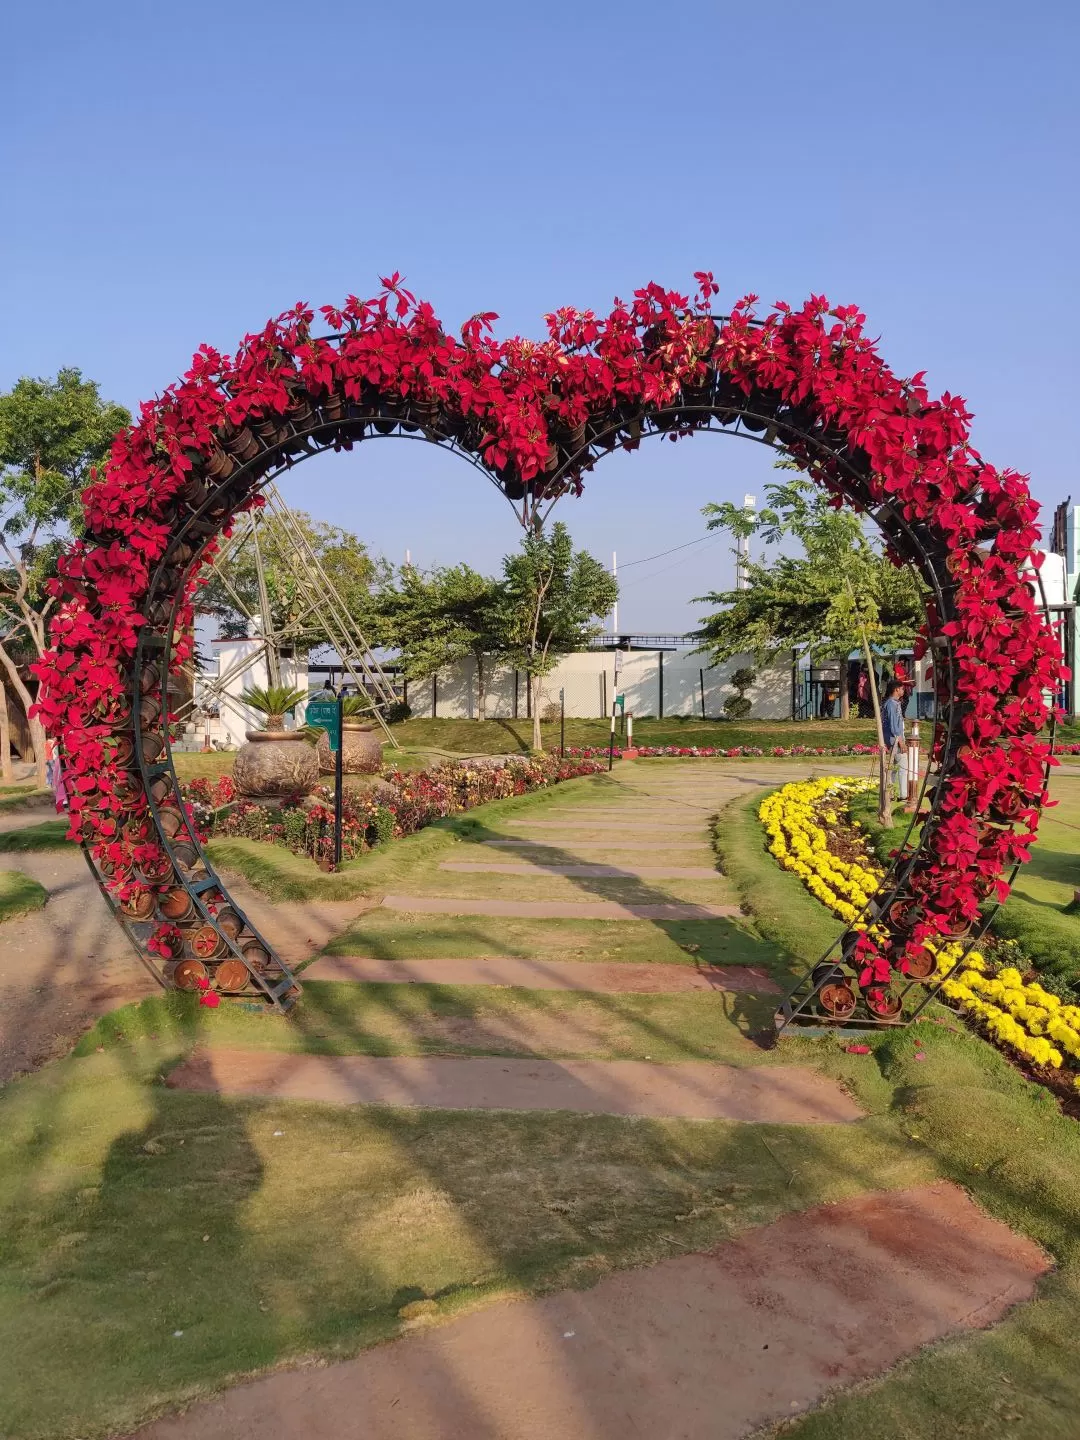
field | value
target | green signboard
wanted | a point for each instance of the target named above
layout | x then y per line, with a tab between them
620	701
323	715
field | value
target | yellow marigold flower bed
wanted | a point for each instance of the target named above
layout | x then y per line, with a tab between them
1030	1020
793	816
1024	1017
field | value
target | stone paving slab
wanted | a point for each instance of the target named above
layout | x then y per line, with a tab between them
640	846
635	828
614	872
554	909
702	1347
612	978
693	1090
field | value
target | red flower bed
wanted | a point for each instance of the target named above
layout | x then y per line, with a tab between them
810	378
399	804
736	752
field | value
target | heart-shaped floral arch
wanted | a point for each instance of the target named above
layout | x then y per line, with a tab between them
536	416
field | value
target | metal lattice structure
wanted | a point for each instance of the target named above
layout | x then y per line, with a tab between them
244	464
315	604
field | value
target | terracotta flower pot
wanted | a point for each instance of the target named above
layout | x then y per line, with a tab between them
275	763
362	750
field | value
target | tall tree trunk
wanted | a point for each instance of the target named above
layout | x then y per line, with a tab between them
37	730
884	786
845	696
534	692
481	695
6	771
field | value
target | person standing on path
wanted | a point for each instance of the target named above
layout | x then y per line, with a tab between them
892	727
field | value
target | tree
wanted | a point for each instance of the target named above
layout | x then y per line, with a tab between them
556	598
445	615
842	594
51	433
737	706
231	593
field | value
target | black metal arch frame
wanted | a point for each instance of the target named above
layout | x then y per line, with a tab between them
336	424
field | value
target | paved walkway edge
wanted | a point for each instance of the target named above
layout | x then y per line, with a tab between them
613	978
704	1346
554	910
777	1095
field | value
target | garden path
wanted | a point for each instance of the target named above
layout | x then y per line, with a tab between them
703	1347
681	799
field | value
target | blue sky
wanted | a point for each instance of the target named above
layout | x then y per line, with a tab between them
176	174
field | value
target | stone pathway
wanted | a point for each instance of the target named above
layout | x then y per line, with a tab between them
775	1095
703	1347
638	827
61	966
554	909
64	965
608	844
612	979
618	872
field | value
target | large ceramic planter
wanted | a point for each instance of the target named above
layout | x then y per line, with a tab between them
361	751
275	763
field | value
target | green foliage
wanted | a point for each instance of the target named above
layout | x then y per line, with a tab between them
232	590
52	432
354	705
556	598
384	825
737	706
273	701
19	894
48	835
839	590
436	617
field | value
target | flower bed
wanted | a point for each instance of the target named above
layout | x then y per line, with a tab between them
806	824
1021	1016
399	804
734	752
795	818
753	752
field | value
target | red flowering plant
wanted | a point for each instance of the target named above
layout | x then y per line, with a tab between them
402	803
538	414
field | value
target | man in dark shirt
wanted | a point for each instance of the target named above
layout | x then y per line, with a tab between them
892	726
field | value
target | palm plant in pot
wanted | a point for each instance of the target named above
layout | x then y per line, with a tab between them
276	762
361	747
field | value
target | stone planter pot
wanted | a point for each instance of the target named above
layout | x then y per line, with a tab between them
275	763
361	753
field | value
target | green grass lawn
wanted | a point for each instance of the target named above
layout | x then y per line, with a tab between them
49	835
267	1232
496	737
190	764
23	797
19	895
389	935
406	1019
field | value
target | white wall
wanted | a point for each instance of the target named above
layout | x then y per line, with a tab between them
235	718
588	680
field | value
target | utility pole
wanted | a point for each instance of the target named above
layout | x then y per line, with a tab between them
615	607
742	554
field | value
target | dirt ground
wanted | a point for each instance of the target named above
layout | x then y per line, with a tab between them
68	963
694	1090
605	979
703	1347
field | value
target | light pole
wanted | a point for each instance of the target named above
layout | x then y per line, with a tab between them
338	768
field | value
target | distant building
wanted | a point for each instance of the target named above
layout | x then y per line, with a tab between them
1061	581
